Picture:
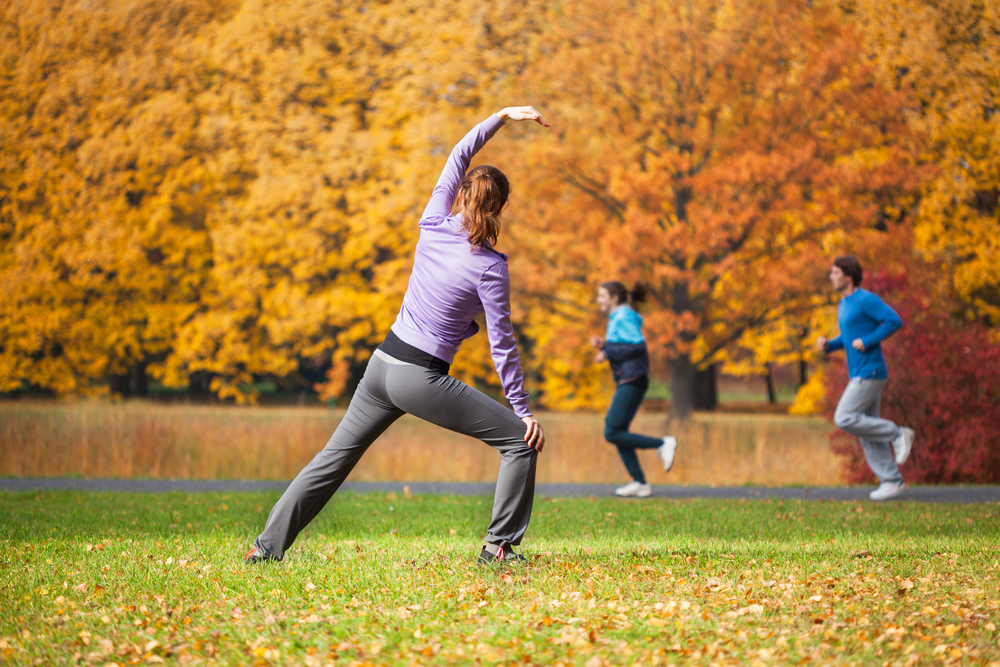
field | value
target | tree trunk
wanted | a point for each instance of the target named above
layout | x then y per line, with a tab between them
138	383
681	388
706	389
803	372
771	397
691	389
118	384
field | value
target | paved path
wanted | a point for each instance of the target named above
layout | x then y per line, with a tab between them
929	494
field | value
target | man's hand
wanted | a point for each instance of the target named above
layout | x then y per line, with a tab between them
596	342
522	113
535	436
858	345
600	357
821	344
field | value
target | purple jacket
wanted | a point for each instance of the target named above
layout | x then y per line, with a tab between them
452	283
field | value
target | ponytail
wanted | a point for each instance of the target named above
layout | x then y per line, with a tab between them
484	192
639	292
635	296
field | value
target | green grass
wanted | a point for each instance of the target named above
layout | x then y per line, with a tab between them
95	578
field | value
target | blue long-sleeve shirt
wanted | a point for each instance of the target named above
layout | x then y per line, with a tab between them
864	315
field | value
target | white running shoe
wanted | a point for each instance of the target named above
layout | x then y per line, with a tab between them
636	489
902	445
666	452
887	490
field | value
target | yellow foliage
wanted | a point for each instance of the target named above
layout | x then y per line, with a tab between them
225	188
809	398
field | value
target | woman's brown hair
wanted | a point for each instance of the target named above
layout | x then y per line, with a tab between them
618	290
484	191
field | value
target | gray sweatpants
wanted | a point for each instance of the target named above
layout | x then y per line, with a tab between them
390	389
858	414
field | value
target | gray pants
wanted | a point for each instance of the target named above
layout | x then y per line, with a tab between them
390	389
858	414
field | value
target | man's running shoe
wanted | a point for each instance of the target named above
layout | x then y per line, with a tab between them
903	444
887	490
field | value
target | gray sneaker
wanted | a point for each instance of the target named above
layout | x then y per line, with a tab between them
887	490
902	445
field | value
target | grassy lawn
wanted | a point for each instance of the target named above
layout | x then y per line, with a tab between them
100	578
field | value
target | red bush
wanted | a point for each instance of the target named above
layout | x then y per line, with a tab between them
944	382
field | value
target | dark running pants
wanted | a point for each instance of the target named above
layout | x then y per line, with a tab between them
391	388
628	398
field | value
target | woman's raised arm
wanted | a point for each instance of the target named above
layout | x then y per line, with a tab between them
439	206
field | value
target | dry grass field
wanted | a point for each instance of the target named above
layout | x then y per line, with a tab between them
145	439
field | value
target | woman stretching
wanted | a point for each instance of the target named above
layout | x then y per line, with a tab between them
625	348
457	275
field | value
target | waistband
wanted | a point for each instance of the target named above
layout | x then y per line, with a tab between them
396	348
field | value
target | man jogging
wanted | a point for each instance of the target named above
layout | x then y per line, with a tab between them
865	321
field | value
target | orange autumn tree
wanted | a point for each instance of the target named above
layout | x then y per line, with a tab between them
717	150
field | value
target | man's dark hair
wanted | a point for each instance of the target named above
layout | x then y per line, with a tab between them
851	266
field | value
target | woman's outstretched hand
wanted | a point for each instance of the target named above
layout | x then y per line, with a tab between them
522	113
535	436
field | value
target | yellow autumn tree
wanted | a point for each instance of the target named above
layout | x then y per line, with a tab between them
103	187
215	192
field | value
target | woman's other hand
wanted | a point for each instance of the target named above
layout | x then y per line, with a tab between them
535	436
522	113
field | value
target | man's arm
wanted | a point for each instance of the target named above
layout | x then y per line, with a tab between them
829	346
888	319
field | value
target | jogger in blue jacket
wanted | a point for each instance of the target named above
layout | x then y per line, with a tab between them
625	348
865	321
